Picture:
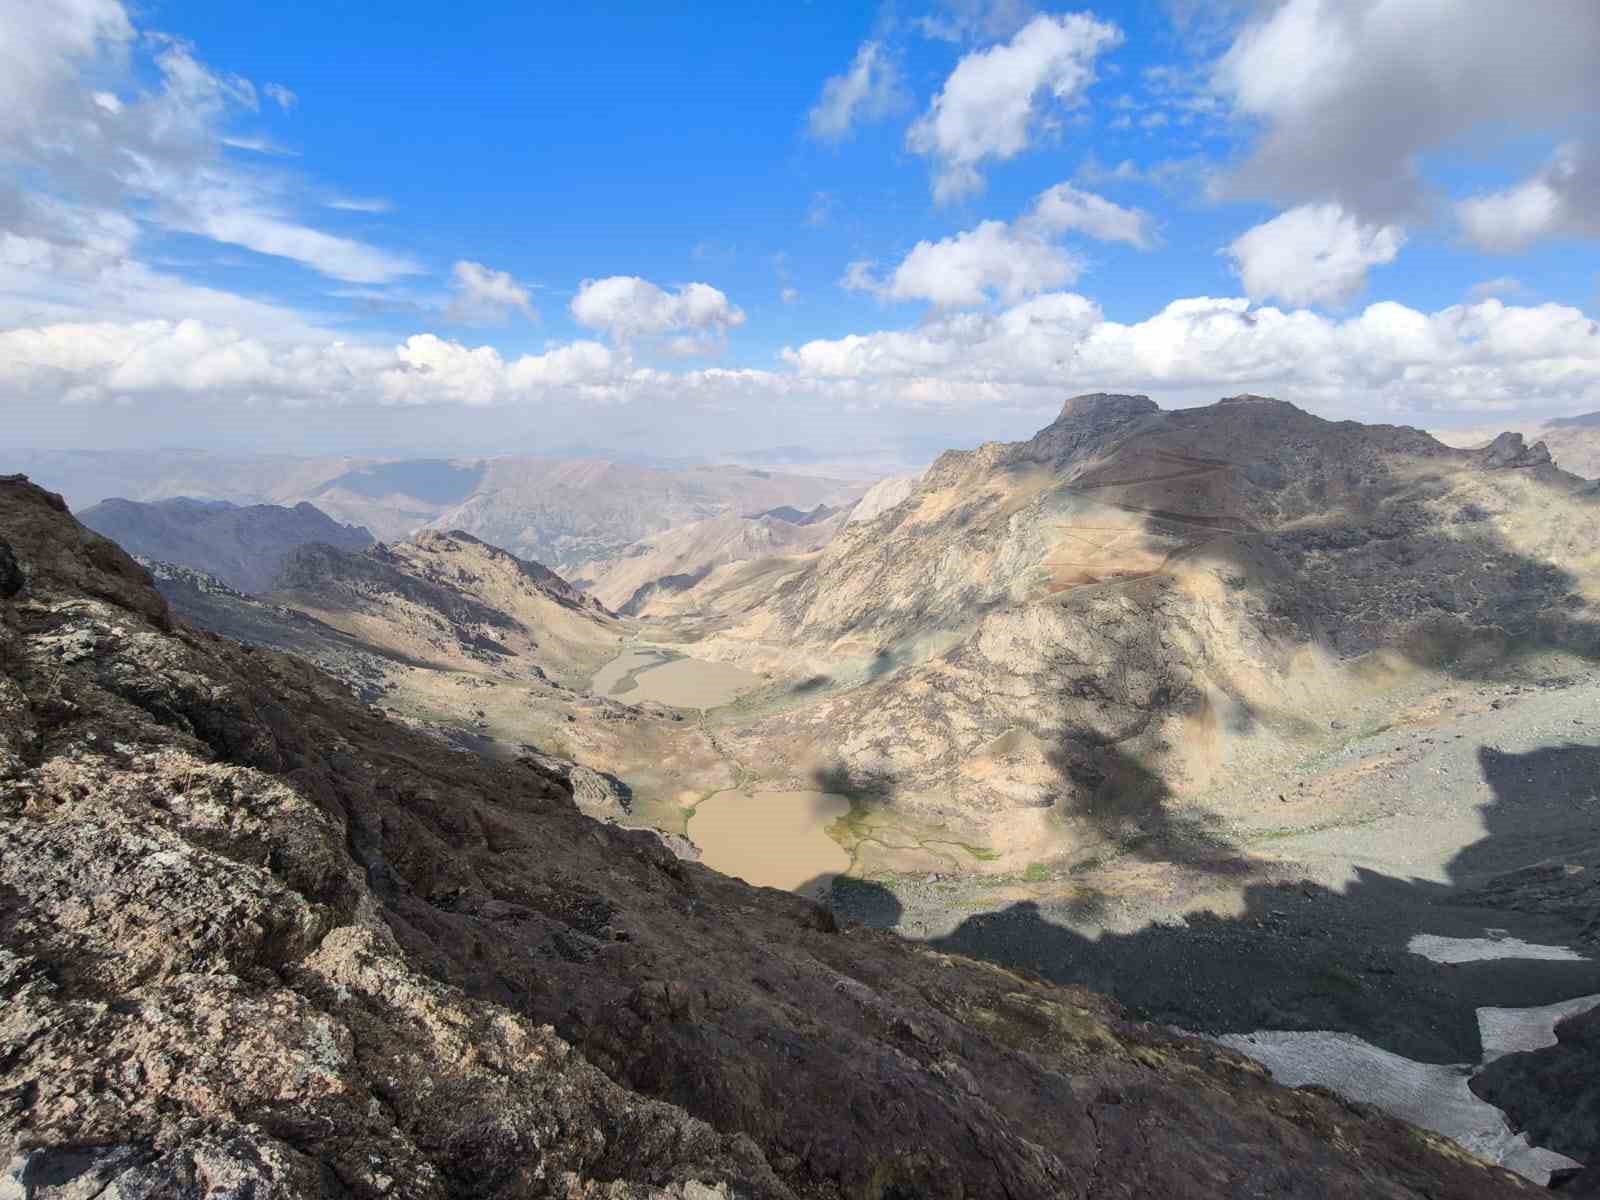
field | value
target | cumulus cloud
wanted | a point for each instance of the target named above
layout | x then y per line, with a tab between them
1067	209
869	90
1388	359
971	267
1314	254
1001	260
627	308
485	295
1348	93
1561	200
997	100
105	361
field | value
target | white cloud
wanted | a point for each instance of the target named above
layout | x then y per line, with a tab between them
281	96
627	308
485	295
869	90
123	145
993	105
219	211
359	204
1314	254
1388	359
105	361
996	260
1561	200
1503	285
256	144
975	20
1348	93
861	276
788	295
1066	209
1193	175
969	268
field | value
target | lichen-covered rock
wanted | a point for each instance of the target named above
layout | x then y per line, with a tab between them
257	941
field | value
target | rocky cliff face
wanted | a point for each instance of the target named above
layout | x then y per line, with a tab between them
244	547
257	941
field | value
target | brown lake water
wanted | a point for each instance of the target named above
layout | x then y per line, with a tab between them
679	682
772	839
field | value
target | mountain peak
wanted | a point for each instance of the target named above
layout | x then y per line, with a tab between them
1103	406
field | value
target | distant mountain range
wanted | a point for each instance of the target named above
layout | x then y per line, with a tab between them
563	512
243	546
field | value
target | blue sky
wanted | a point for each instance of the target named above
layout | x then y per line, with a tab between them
695	228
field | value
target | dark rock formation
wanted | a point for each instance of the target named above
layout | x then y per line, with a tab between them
1554	1093
255	940
1511	450
244	547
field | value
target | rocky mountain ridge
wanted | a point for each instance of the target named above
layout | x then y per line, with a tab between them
1164	598
259	940
449	599
562	511
646	576
243	546
1573	442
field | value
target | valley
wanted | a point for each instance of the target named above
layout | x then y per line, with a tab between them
1223	736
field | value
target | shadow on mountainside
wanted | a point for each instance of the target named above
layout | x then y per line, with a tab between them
1304	957
1421	558
1133	809
1301	956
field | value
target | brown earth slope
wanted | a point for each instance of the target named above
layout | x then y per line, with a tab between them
256	940
447	599
647	575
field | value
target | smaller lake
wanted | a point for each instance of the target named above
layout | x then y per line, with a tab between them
609	677
678	682
772	839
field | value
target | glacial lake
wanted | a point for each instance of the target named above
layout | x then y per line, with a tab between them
679	682
772	839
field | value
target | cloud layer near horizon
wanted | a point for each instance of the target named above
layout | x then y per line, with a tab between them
1388	359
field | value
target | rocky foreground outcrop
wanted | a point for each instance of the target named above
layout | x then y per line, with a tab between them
256	941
